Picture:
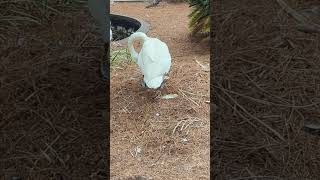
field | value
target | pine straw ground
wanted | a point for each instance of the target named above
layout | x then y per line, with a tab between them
52	103
269	88
152	137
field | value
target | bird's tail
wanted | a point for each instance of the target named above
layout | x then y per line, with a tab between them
137	36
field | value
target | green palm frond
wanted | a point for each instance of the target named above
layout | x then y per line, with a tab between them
199	17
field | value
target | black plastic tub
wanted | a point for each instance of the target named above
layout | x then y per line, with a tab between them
124	26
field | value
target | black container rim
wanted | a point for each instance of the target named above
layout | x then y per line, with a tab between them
144	27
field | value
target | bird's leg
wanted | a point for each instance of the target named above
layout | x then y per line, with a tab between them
162	84
143	84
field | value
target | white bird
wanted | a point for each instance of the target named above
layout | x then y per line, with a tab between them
154	59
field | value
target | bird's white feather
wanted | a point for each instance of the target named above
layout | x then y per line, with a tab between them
154	59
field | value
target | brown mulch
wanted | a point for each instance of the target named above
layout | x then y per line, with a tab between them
52	102
267	86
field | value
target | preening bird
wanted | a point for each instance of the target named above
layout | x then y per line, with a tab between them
154	59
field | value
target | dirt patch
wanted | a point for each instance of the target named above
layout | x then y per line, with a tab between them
268	86
152	137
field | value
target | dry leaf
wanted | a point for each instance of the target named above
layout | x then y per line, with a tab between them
169	96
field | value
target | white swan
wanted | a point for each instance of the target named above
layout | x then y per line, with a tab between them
154	59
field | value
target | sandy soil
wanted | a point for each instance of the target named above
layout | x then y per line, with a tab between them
171	136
